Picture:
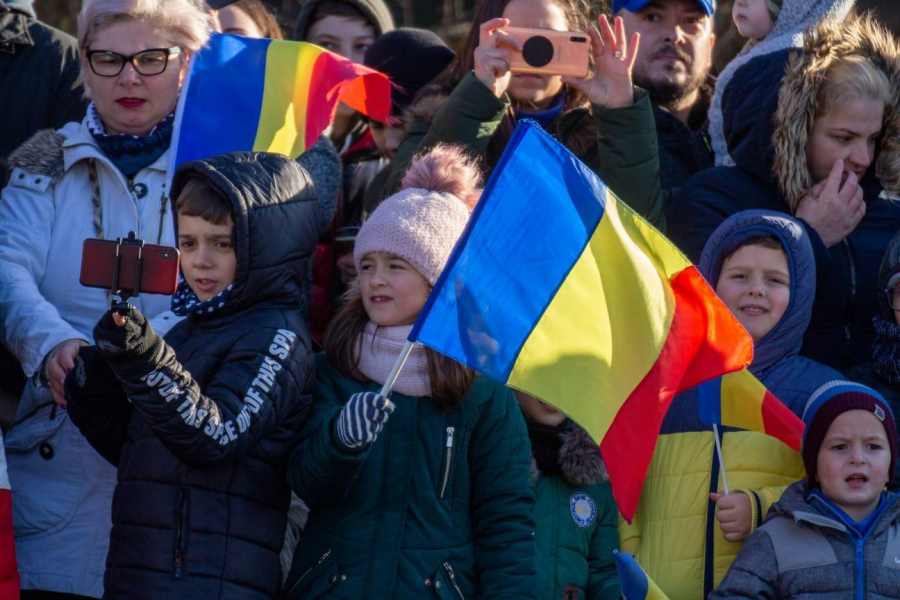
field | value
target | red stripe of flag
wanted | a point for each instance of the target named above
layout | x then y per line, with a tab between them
700	345
780	422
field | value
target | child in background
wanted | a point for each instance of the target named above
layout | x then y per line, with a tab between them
836	534
348	28
200	424
754	18
743	104
574	511
686	532
883	373
249	18
391	54
425	494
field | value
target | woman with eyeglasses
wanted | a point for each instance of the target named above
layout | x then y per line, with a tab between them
99	178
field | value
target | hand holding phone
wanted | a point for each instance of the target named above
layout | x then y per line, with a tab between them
492	56
611	86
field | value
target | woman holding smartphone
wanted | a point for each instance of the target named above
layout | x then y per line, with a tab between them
99	178
489	98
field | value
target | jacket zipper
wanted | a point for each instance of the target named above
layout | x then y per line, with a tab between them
452	575
447	462
307	572
180	534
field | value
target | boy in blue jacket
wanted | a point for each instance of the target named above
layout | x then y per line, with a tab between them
199	424
836	534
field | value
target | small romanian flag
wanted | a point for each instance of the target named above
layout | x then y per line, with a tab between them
266	95
558	289
739	400
636	585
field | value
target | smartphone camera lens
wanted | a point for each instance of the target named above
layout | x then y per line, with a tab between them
537	51
166	255
578	39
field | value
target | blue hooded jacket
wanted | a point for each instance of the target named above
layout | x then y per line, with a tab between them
684	550
772	174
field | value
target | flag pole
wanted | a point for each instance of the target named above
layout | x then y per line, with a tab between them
392	377
719	452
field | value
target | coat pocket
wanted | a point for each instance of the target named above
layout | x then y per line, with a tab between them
445	583
317	581
182	520
46	464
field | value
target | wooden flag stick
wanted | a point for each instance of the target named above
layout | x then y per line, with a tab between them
719	452
395	372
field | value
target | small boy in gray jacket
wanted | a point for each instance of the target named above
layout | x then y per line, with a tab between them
836	534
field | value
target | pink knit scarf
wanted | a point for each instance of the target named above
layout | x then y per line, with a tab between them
378	351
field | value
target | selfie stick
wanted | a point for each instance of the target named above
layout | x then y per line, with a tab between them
121	305
719	452
392	377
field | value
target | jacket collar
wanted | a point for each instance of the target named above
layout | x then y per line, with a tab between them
13	30
81	145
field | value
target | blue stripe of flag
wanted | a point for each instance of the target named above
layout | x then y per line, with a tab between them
224	98
709	401
510	285
635	584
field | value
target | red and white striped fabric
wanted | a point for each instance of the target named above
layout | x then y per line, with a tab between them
9	573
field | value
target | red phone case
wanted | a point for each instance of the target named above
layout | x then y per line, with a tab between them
159	268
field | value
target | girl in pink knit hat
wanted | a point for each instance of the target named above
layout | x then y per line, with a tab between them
425	494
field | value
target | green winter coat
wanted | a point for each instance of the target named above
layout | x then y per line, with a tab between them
619	145
577	525
411	515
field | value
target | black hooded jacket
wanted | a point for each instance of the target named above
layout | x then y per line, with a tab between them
201	443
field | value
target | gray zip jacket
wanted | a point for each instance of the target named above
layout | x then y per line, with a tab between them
804	551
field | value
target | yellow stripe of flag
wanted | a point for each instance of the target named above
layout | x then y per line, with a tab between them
623	296
282	120
745	394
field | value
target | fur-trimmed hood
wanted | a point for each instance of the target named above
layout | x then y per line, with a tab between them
579	459
831	41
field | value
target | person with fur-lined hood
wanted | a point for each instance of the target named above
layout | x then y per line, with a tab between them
833	161
575	514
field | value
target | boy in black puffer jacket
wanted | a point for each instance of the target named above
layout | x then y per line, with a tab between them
202	422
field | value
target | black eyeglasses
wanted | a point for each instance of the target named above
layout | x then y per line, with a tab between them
154	61
893	297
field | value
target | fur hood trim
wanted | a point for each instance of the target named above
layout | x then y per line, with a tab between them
41	154
427	104
579	459
831	41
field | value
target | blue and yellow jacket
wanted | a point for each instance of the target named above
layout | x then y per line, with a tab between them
674	535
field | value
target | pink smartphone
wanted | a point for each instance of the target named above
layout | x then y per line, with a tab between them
550	52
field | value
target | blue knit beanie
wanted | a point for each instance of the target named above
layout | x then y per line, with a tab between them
830	401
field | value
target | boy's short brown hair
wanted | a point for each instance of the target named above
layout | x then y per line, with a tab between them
199	199
766	241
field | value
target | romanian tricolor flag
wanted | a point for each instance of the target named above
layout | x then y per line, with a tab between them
740	400
636	585
268	95
558	289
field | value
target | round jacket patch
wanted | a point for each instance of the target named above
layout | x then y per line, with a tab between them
584	509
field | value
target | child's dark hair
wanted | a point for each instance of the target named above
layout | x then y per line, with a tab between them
335	8
766	241
260	15
199	199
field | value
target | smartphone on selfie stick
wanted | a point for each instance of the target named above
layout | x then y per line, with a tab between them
127	267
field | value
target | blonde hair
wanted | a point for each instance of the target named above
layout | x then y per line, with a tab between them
851	78
187	22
